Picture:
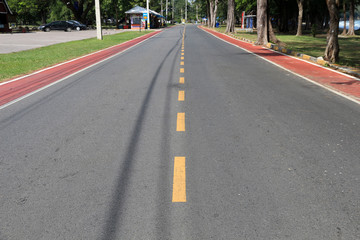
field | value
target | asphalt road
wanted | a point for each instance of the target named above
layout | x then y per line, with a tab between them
267	154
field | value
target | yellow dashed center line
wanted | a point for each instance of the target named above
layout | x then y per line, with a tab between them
181	96
180	123
179	181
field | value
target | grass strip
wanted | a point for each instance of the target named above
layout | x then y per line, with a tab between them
24	62
315	46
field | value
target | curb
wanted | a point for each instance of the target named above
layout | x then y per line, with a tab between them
348	70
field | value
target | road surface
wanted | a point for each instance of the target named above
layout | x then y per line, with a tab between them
218	145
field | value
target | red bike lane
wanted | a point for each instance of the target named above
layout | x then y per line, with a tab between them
20	87
337	82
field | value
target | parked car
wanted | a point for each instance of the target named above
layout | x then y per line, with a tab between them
58	25
78	25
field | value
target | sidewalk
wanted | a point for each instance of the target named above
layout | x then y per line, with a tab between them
337	82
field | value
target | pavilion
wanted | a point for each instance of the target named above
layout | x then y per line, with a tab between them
137	20
5	16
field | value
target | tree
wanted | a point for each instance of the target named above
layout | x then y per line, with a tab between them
344	12
351	18
262	22
213	5
332	49
230	25
79	8
31	11
300	4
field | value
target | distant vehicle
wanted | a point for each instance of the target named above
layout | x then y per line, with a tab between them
78	25
58	25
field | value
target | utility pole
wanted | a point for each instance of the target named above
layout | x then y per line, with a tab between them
98	20
173	11
162	9
166	10
197	13
148	13
185	11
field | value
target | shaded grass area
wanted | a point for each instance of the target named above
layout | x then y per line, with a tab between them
24	62
349	46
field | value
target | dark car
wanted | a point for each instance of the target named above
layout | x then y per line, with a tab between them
58	25
78	25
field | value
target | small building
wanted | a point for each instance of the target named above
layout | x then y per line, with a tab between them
5	16
137	21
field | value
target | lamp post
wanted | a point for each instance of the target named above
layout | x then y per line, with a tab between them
98	20
185	11
148	13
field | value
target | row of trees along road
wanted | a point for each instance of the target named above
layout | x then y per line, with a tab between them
323	12
285	15
32	12
288	16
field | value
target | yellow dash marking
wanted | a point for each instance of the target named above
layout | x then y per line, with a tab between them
182	54
182	70
180	123
181	96
182	63
182	58
182	80
179	181
182	50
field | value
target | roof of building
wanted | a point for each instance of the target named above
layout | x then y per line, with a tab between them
138	9
4	7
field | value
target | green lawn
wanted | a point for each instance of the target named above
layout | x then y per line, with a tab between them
349	46
19	63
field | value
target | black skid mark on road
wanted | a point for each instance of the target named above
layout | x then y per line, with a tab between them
116	207
164	202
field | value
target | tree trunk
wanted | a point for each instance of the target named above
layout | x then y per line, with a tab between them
116	13
208	13
351	31
262	22
344	10
77	8
215	13
230	25
300	17
332	49
272	36
213	10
